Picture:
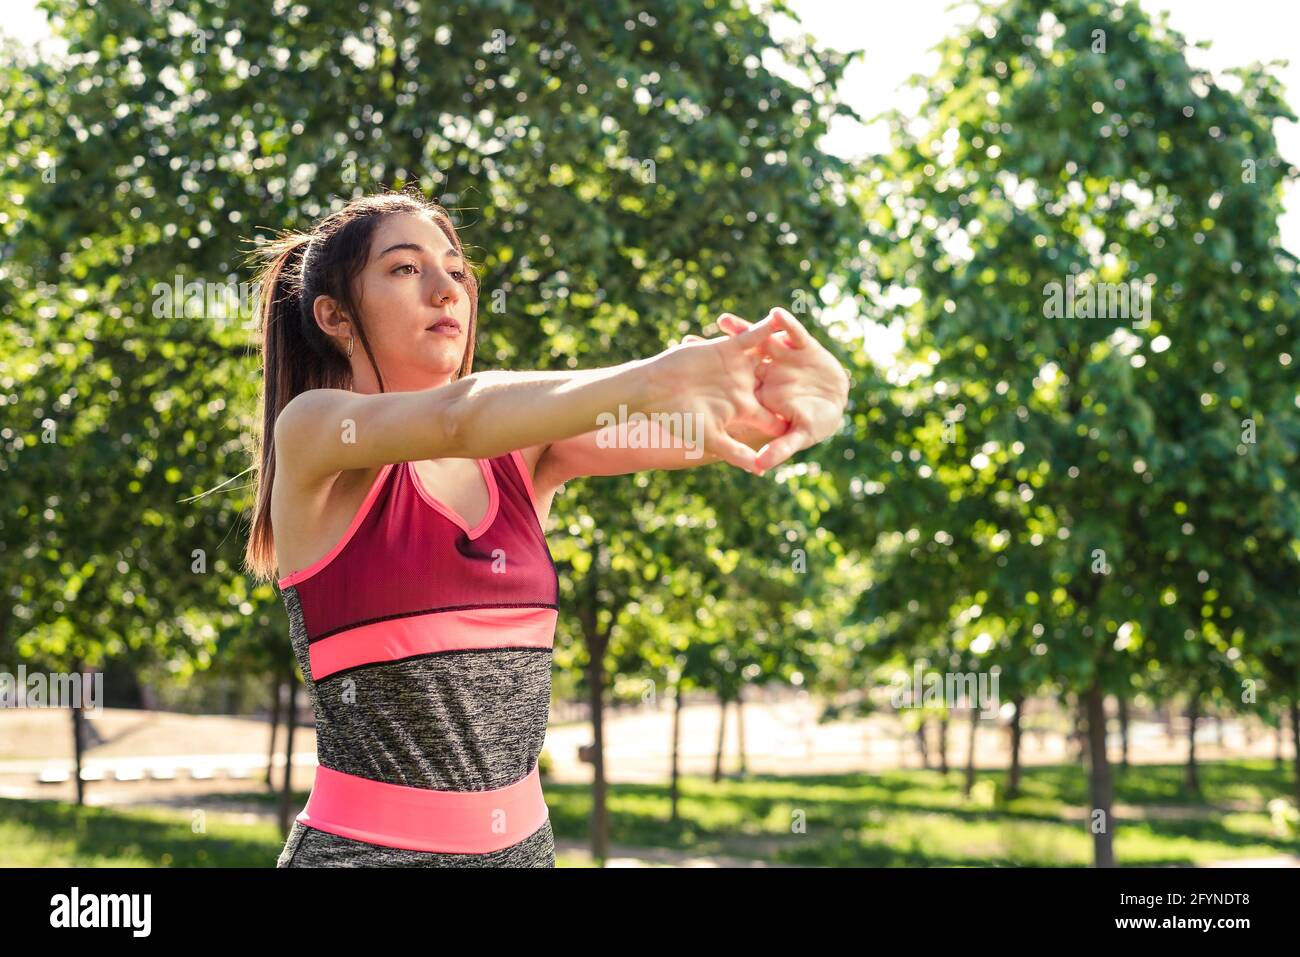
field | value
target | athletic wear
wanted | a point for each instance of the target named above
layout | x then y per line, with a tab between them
426	648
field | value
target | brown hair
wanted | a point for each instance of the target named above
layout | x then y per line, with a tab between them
297	355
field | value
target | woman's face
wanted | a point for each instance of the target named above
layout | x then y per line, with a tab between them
411	282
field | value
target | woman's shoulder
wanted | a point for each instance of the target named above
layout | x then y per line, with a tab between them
308	405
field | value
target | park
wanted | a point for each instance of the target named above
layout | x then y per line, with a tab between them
1029	601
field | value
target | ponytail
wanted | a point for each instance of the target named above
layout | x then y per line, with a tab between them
296	357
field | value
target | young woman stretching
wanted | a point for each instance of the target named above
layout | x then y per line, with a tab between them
401	503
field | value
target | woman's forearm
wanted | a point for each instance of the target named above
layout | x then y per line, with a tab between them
497	411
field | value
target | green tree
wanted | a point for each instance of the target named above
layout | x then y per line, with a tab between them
1086	459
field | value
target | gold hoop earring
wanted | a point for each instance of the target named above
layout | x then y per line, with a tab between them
351	341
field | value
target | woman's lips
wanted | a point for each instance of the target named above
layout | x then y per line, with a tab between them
446	327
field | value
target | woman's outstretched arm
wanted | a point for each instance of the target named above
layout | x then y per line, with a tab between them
325	431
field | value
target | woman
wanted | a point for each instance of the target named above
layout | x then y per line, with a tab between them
401	501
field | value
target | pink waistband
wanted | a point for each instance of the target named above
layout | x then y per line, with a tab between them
421	819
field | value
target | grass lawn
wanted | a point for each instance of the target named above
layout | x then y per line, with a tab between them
898	818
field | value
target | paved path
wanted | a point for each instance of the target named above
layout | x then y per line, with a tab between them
781	737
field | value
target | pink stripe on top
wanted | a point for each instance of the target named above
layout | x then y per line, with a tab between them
454	630
523	471
422	819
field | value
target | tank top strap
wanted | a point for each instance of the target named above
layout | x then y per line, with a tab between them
513	479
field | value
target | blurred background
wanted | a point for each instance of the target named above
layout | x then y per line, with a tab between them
1036	604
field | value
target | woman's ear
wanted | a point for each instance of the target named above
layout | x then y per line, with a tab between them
331	319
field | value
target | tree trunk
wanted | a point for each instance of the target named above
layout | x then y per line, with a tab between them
1277	743
677	738
291	722
970	751
921	742
1013	778
722	727
1193	708
78	739
943	742
1099	781
599	787
1080	711
597	641
1122	702
276	686
1295	736
740	729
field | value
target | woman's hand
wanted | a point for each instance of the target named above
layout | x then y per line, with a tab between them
799	380
711	385
746	434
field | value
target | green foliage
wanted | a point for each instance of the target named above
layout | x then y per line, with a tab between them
1110	496
620	178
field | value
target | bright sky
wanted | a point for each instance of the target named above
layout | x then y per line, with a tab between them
897	39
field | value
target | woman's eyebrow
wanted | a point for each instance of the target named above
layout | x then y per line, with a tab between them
449	253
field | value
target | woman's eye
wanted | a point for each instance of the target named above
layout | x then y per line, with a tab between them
458	275
405	266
